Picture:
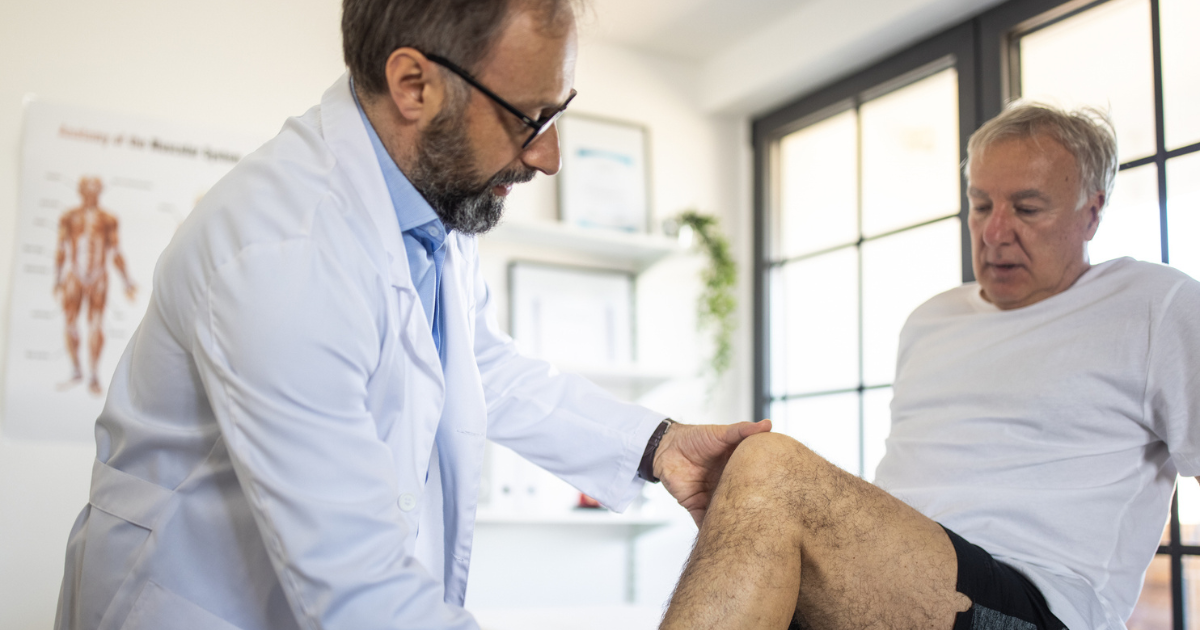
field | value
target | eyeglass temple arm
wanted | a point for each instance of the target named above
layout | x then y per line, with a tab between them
466	76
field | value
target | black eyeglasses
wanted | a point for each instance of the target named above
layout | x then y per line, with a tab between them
538	126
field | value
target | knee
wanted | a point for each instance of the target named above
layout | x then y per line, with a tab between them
765	453
769	465
774	465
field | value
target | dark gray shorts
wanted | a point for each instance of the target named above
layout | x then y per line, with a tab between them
1003	599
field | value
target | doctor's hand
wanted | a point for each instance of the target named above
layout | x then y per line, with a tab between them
691	457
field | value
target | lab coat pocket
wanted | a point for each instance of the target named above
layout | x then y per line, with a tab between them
157	608
111	547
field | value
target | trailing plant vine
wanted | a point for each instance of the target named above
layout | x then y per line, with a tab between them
716	305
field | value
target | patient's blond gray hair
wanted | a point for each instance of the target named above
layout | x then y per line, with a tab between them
1086	133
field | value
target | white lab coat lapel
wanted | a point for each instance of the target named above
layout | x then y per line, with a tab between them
424	397
462	434
344	132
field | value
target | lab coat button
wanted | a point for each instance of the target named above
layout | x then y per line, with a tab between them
407	502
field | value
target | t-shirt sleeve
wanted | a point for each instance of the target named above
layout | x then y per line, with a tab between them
1172	400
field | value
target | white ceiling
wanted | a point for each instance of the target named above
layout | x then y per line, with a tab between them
753	55
688	29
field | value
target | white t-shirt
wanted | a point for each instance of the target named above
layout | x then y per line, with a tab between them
1051	435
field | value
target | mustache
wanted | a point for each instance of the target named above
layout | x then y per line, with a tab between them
519	175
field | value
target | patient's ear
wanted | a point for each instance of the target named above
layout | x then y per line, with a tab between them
1094	206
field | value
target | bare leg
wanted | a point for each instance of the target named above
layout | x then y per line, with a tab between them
72	302
97	297
789	533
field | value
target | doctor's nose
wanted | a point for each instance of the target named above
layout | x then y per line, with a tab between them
542	154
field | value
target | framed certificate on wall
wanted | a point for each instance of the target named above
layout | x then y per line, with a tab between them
572	316
604	181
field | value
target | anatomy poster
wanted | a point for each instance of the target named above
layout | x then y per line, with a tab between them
100	197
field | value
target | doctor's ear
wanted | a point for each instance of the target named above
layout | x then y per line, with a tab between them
415	85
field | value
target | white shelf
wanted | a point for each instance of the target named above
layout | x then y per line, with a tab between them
575	517
627	617
632	378
636	250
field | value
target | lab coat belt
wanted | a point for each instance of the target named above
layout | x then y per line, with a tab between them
127	496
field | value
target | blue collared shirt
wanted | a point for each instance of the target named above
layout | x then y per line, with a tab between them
424	234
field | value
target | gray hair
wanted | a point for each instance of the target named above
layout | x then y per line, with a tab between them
1086	133
463	31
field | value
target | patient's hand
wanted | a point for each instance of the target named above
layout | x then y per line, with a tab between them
691	457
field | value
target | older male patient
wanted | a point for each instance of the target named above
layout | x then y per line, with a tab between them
1041	416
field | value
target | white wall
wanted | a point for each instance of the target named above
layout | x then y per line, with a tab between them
245	66
242	66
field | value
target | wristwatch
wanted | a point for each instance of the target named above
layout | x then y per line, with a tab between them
646	466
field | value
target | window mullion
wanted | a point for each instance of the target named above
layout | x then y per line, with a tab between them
1160	132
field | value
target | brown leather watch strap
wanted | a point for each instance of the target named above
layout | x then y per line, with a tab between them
646	467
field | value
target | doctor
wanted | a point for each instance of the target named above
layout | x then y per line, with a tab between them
294	436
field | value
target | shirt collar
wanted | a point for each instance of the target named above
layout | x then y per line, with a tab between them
412	210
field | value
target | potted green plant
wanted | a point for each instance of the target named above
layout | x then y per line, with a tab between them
716	305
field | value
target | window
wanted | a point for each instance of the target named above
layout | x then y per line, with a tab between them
861	220
858	194
1053	62
867	228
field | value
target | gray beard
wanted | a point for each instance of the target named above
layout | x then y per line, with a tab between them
444	174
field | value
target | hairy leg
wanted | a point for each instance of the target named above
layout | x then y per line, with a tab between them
789	533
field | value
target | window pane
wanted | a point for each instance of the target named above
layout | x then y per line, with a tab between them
899	273
1189	511
910	154
1180	19
1130	225
877	424
1153	610
778	416
778	341
1191	592
1103	58
1183	213
817	327
828	425
818	187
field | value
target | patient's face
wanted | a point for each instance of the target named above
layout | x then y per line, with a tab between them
1029	228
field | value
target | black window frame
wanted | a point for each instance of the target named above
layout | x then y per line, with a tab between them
988	75
901	69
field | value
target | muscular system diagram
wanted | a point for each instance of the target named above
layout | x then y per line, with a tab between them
87	241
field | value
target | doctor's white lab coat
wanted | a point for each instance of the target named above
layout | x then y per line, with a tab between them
281	446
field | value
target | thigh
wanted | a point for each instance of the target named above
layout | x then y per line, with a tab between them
72	297
868	560
97	295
